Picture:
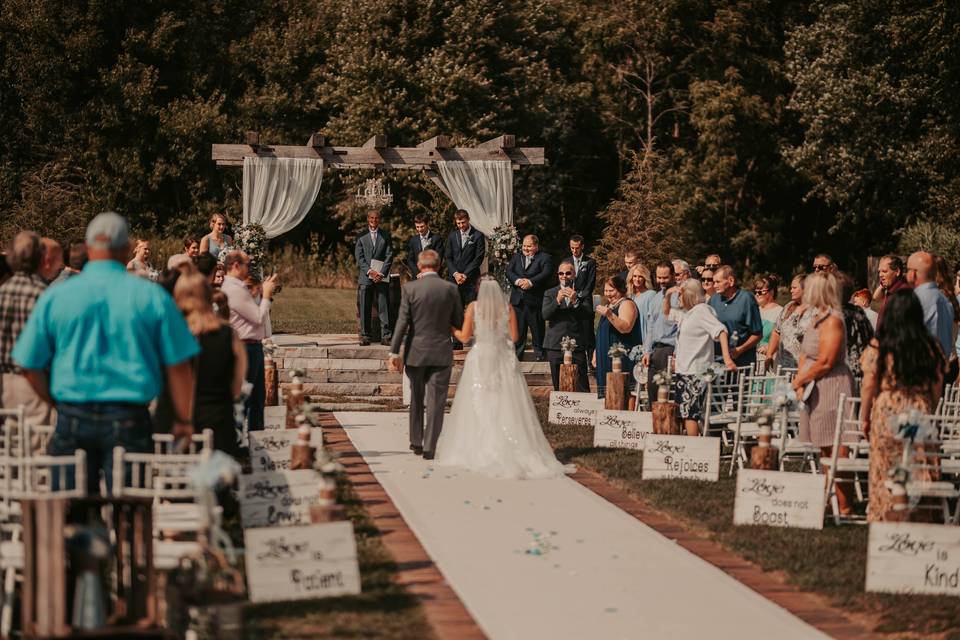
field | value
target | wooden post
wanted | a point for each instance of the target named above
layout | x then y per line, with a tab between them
294	401
568	377
616	395
665	419
270	380
301	453
327	509
763	456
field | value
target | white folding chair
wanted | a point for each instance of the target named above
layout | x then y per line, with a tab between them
855	465
164	443
723	394
755	396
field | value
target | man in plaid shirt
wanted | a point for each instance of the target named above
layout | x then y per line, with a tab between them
17	298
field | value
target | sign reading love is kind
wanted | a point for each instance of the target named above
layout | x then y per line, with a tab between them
622	429
270	450
301	563
277	498
569	408
689	457
904	557
779	499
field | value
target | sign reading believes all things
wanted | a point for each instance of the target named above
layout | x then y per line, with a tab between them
622	429
779	499
904	557
301	563
690	457
573	409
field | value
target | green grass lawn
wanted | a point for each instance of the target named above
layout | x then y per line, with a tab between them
831	562
303	310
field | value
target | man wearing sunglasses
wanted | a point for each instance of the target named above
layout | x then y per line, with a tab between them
564	309
711	263
823	262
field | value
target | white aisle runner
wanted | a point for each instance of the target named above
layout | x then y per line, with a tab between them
551	559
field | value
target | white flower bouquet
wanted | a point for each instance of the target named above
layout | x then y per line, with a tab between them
252	240
617	350
504	243
662	378
568	344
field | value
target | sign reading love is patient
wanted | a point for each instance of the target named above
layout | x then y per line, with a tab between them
779	499
690	457
905	557
622	429
270	450
573	409
277	498
301	563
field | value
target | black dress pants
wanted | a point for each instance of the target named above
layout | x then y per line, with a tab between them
530	316
555	357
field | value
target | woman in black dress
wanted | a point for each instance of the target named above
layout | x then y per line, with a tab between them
221	366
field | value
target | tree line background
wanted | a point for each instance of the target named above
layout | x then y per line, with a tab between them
765	131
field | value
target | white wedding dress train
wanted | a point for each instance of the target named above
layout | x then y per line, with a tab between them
493	428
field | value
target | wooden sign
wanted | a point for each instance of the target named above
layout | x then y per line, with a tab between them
274	417
573	408
278	498
270	450
779	499
622	429
904	557
301	563
690	457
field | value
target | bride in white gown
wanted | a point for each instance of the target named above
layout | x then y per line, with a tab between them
493	427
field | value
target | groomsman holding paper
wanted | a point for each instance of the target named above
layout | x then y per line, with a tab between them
423	240
529	272
374	257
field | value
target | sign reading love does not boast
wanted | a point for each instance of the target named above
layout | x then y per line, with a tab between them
690	457
572	409
301	563
277	498
622	429
270	450
904	557
779	499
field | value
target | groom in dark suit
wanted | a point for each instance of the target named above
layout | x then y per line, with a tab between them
529	272
423	240
465	250
373	245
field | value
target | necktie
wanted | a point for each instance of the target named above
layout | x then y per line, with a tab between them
373	238
463	240
424	242
576	266
526	262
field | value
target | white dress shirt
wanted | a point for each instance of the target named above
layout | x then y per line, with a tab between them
247	318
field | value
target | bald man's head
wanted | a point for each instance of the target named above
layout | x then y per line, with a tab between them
920	268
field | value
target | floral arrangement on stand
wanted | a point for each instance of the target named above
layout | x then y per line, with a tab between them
568	345
252	240
504	243
617	352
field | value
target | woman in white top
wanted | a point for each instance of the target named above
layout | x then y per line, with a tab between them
699	329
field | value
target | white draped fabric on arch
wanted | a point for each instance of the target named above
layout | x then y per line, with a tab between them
279	192
484	188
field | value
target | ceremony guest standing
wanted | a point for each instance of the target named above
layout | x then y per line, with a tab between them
529	272
564	309
18	296
638	290
249	321
823	262
660	332
76	259
217	239
699	330
584	283
890	272
52	263
618	323
140	263
138	336
784	347
681	270
464	252
374	282
711	263
857	325
630	259
739	311
706	281
423	240
862	299
937	311
765	291
902	372
823	362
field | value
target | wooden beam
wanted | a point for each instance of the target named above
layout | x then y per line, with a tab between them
378	141
507	141
232	155
253	138
437	142
316	140
437	180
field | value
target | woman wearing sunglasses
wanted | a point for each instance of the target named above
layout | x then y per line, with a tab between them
765	291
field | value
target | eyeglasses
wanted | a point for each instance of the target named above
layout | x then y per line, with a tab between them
821	267
761	292
564	273
712	265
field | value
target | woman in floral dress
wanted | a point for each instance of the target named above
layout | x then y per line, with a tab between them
902	371
784	347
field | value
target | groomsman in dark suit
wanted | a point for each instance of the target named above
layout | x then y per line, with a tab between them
585	281
529	272
564	309
374	244
423	240
464	252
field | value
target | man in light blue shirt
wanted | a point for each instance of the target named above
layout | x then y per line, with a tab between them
100	346
660	336
937	311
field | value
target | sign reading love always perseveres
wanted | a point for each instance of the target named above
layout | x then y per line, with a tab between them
904	557
569	408
689	457
779	499
621	429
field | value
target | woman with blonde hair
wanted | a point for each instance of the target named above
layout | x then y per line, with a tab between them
823	374
638	290
217	239
221	365
140	264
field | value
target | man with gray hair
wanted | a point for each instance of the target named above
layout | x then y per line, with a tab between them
17	298
529	272
681	270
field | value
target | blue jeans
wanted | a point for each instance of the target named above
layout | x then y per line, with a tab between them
98	427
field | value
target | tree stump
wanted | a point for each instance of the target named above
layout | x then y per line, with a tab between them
765	458
665	420
270	380
326	509
616	395
301	456
568	377
294	401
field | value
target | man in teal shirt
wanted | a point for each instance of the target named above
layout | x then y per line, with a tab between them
100	346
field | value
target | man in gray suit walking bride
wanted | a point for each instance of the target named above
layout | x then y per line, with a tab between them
429	307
